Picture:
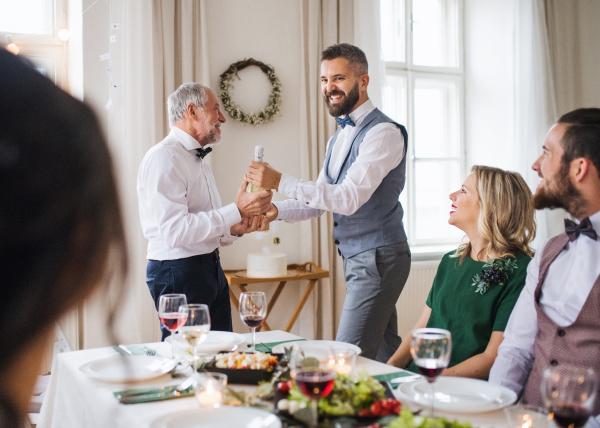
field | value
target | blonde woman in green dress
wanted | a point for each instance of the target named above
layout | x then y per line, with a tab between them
477	285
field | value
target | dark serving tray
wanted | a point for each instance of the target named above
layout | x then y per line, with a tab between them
243	376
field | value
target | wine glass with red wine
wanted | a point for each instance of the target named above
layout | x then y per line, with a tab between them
311	369
170	317
431	349
253	311
569	393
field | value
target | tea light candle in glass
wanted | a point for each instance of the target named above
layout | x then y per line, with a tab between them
343	361
209	388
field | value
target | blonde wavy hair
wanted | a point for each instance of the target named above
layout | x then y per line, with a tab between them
506	217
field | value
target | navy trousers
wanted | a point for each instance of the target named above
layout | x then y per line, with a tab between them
200	278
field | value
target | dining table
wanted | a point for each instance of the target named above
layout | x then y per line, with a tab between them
75	400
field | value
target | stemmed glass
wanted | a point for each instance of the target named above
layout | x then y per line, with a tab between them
170	317
253	311
569	393
431	349
196	327
312	370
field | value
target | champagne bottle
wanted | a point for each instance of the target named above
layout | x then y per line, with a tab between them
259	153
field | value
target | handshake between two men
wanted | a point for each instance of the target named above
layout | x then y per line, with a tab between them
256	209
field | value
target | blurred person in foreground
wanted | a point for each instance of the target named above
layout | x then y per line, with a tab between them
494	208
556	320
181	212
59	221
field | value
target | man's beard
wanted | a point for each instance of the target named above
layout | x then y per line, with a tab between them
565	195
213	138
345	107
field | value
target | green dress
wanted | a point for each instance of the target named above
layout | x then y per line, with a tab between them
471	317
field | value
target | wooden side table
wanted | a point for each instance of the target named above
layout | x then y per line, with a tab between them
308	271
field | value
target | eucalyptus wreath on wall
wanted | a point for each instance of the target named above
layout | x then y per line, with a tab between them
265	115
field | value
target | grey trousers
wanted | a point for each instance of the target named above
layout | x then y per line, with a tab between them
374	281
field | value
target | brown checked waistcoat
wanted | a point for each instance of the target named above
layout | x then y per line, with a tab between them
577	344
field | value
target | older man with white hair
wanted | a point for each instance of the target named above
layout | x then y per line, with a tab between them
181	212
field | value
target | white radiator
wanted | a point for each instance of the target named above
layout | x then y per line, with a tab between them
412	300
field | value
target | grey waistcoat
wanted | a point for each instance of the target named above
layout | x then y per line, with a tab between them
378	222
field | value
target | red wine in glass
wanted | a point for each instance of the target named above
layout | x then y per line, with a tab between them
173	320
315	384
570	415
253	321
431	368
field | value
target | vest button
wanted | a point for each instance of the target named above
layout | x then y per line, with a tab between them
554	363
335	224
561	333
337	242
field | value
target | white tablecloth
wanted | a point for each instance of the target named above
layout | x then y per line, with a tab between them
74	400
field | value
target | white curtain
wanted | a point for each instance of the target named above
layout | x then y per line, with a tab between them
534	98
160	46
324	22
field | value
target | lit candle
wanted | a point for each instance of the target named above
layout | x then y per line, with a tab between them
209	397
340	366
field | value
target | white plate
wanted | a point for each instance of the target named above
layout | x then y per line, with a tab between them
279	349
216	341
222	417
118	369
458	395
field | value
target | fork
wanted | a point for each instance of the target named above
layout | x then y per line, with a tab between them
149	351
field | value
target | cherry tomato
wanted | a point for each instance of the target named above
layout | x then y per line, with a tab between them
283	386
364	412
376	408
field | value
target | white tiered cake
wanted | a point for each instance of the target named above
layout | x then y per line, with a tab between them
260	265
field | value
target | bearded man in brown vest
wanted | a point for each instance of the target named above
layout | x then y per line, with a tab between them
556	321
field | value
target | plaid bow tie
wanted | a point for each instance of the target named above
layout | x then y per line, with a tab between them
573	229
345	121
203	152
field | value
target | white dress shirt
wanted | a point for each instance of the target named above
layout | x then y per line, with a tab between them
381	150
568	283
180	207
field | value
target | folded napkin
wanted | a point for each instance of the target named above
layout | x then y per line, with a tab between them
134	349
389	376
146	395
266	347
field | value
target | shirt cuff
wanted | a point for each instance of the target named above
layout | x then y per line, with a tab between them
231	215
287	185
276	204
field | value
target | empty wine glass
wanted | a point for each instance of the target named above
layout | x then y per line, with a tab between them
170	317
569	393
311	369
196	327
431	349
253	311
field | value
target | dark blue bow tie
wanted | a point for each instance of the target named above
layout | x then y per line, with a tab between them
573	229
203	152
345	121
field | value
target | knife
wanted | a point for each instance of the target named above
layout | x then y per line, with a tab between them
121	349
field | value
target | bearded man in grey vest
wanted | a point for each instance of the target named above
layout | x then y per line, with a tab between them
361	181
556	320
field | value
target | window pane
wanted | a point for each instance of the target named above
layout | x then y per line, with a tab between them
435	32
434	181
393	30
395	104
437	118
27	17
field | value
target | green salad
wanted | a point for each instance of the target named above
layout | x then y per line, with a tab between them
349	395
408	420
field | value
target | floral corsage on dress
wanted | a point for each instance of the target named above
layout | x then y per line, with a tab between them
495	272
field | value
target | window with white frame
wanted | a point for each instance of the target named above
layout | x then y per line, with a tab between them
33	28
422	49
